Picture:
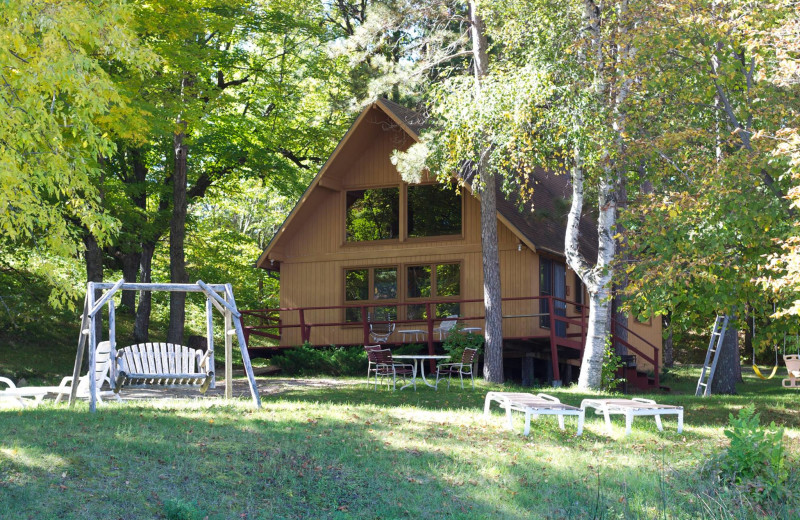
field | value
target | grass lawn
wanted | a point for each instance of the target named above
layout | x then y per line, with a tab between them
351	452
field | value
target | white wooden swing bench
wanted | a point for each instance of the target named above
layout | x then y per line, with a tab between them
163	365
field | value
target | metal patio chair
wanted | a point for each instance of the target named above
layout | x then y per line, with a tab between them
461	369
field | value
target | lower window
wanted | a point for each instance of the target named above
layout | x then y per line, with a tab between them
433	282
371	285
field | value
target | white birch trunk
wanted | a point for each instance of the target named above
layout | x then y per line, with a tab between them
598	278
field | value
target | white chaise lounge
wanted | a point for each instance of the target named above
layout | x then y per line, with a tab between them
24	395
28	395
532	406
631	408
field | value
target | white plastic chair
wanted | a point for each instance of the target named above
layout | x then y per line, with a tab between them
101	374
446	326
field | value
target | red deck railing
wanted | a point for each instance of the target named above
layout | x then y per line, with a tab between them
268	323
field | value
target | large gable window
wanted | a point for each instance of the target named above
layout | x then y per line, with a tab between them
369	286
373	214
433	210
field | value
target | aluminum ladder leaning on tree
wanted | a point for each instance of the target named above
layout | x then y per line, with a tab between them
712	356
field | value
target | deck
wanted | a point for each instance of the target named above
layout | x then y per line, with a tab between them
524	318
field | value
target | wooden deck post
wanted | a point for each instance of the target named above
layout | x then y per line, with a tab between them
304	334
365	324
527	370
431	351
553	346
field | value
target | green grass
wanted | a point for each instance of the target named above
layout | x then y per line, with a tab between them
351	452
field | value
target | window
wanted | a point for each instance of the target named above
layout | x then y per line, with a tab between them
552	282
369	286
373	214
578	294
433	210
433	281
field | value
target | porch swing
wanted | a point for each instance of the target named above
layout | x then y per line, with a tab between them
162	364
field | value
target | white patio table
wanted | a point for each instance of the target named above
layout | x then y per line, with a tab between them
418	360
415	334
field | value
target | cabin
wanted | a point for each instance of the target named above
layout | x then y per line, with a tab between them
363	248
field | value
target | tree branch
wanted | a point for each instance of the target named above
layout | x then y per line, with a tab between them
297	160
222	84
20	58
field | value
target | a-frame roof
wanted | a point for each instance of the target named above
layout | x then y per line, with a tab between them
540	222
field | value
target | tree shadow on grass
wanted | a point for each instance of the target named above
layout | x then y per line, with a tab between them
307	458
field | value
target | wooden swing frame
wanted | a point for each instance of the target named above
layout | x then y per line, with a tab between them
217	295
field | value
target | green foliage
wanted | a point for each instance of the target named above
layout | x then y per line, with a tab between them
698	240
310	361
756	454
178	509
60	110
457	341
409	349
611	363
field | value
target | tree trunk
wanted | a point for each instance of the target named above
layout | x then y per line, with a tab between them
598	278
596	337
131	261
728	371
493	362
177	235
141	326
94	273
669	356
130	269
621	283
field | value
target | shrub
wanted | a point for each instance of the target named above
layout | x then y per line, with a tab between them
408	349
755	452
178	509
457	341
756	457
611	363
334	361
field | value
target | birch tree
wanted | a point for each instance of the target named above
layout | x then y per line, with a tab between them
582	52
